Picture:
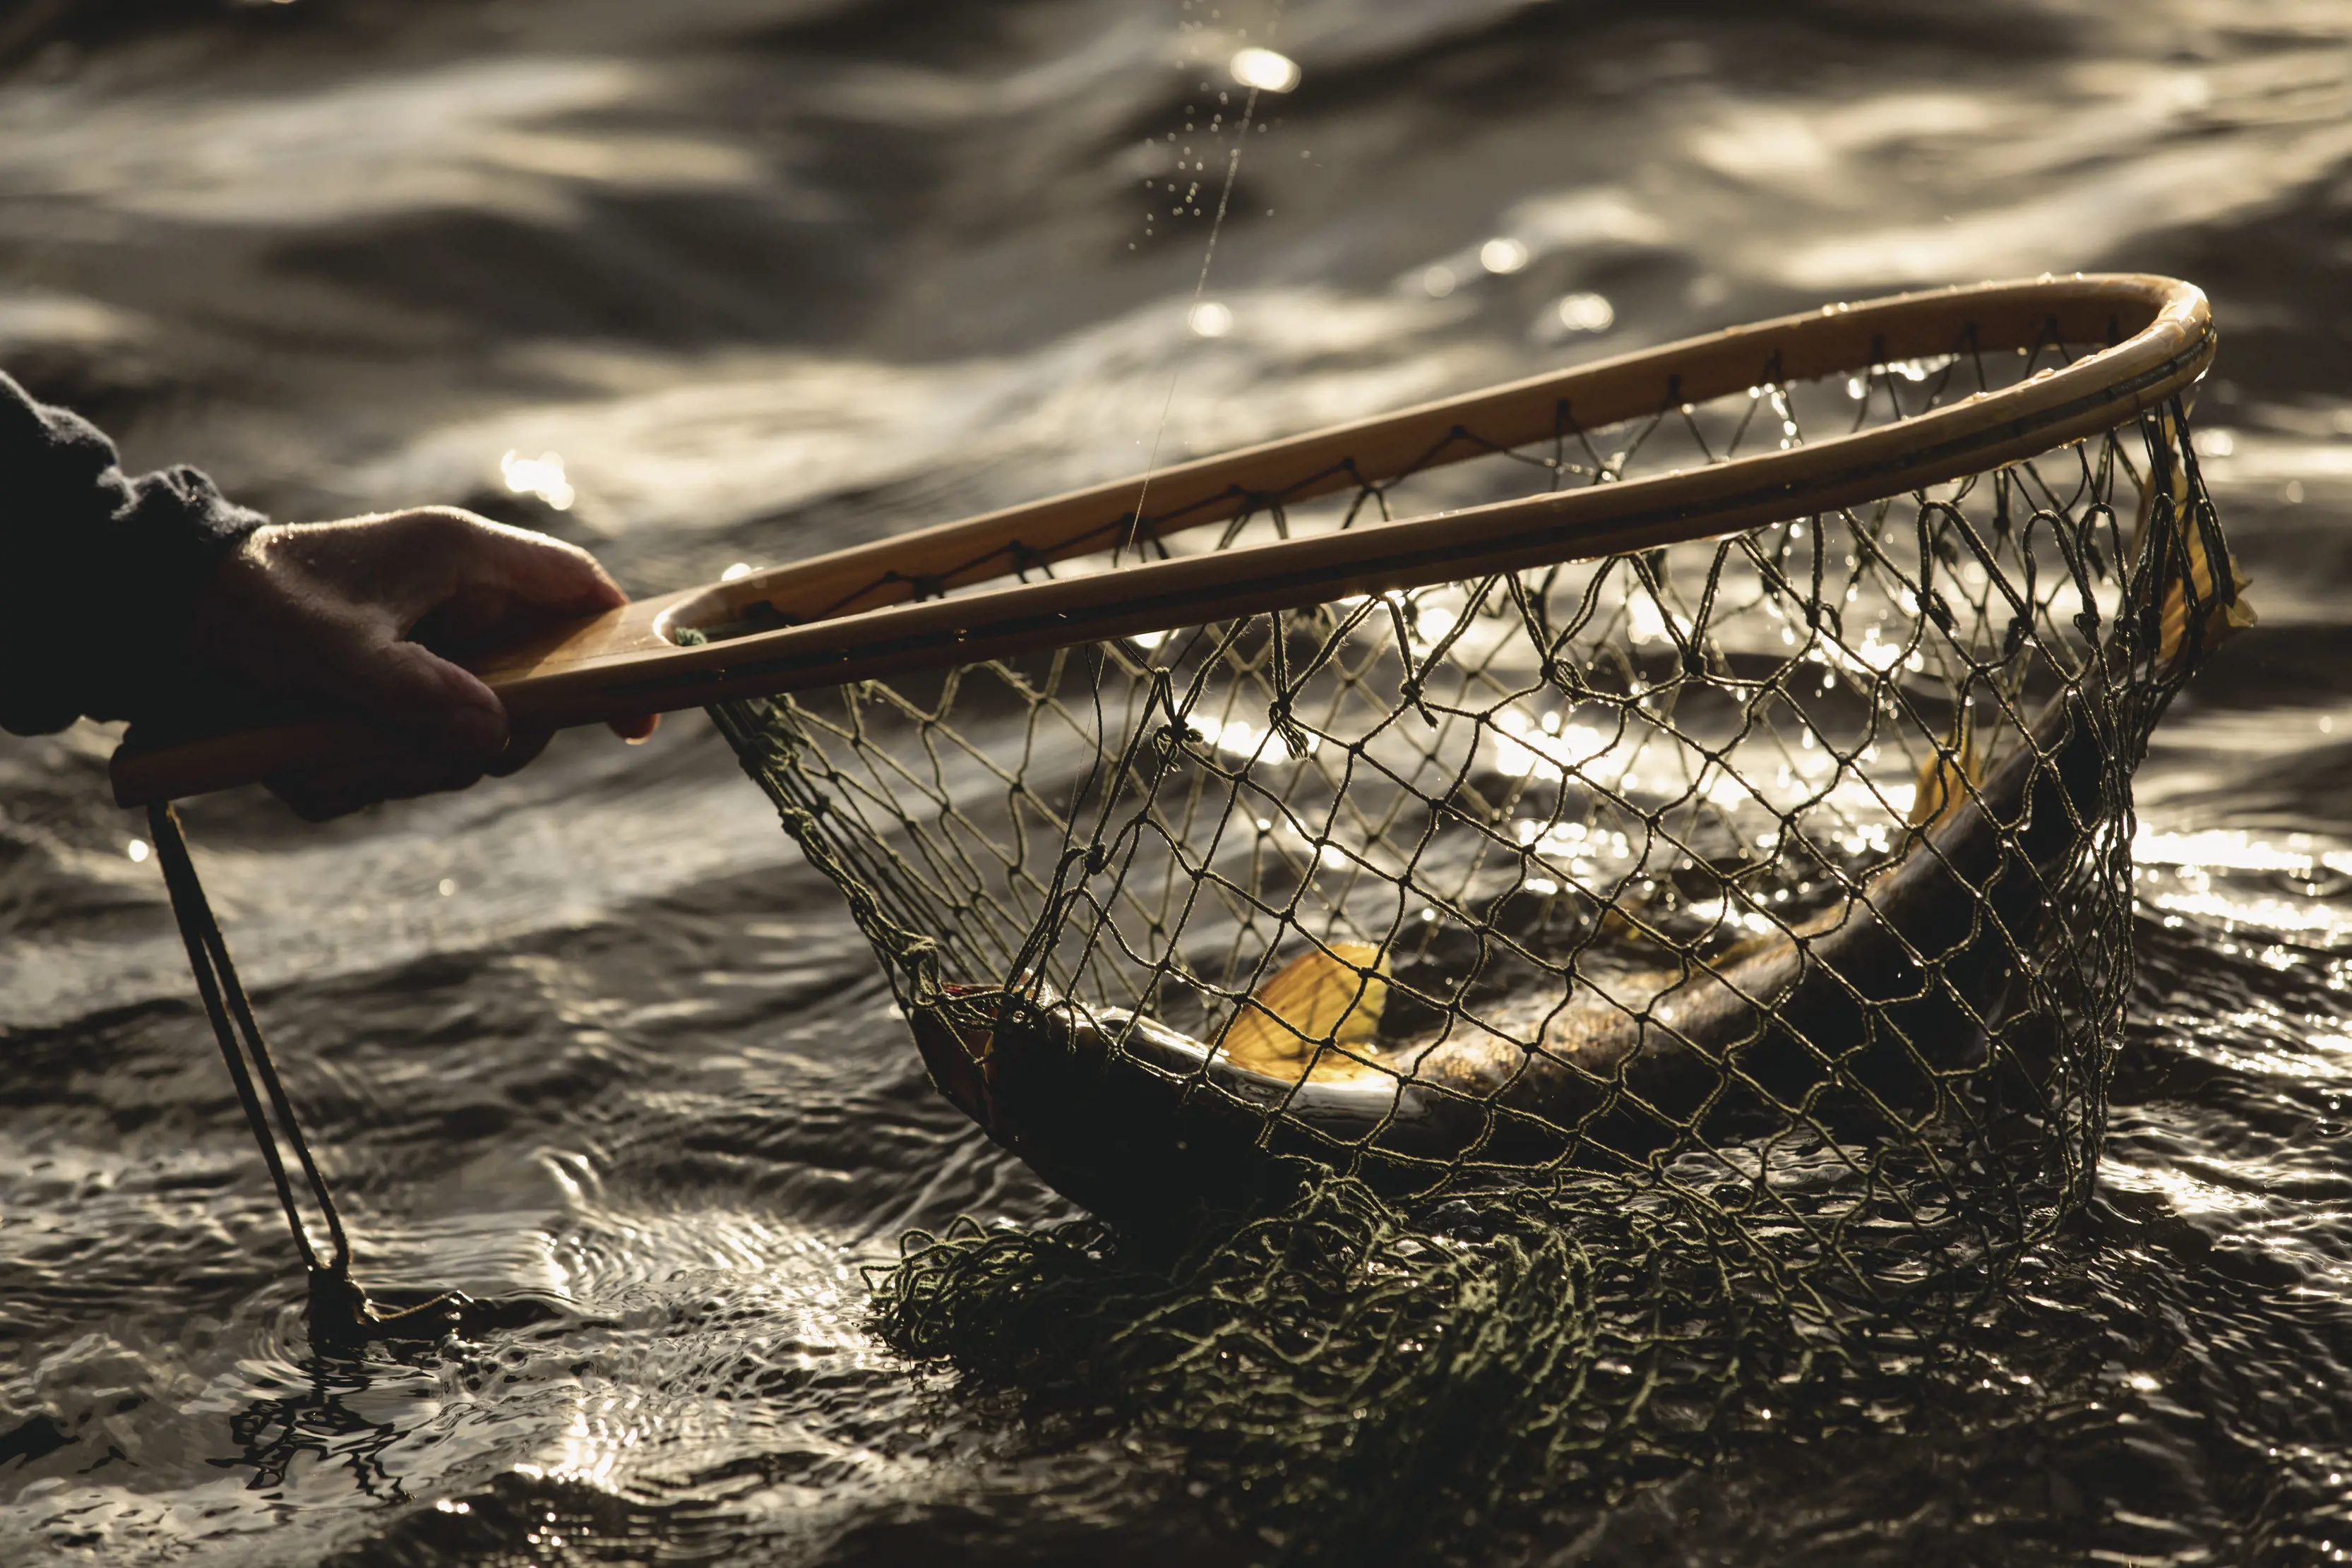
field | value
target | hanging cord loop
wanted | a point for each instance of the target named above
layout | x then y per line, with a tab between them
340	1315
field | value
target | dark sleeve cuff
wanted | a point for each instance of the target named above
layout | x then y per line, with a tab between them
100	573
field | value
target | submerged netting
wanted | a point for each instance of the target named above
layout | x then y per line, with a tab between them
1513	1031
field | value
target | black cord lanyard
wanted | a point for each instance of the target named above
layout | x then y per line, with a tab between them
341	1316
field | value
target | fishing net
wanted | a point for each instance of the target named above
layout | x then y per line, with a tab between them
1520	1032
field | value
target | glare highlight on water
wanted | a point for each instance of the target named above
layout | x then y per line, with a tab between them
541	476
1263	69
1210	318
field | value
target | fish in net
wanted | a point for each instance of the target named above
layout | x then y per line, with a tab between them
1507	1029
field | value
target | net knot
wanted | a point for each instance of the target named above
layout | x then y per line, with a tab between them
1563	674
918	957
1278	718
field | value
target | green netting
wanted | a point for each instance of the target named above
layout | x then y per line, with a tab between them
1517	1033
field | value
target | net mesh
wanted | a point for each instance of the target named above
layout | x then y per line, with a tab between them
1511	1033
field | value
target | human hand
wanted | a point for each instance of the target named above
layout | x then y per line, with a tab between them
346	610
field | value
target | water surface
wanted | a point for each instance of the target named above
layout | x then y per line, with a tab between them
761	278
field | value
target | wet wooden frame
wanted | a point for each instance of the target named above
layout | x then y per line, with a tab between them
874	609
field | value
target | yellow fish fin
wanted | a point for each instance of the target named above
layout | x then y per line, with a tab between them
1325	995
1945	778
2220	619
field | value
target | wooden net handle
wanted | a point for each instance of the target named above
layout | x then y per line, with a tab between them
848	615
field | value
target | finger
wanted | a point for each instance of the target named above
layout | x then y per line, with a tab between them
523	749
634	729
442	709
313	798
329	791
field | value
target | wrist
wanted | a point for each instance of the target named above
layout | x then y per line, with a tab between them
165	551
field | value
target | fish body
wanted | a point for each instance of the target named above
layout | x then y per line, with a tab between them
1865	1011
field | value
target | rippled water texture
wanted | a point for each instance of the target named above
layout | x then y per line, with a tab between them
740	280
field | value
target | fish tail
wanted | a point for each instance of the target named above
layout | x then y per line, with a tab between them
2196	597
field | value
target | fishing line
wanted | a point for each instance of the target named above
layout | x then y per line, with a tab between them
1200	287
